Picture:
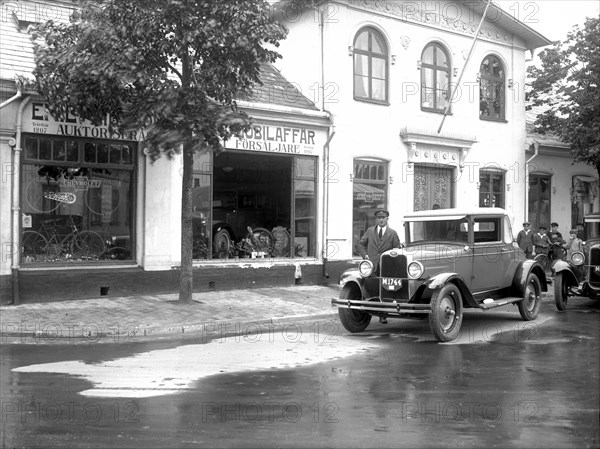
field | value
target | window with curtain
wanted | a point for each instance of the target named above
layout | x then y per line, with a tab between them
491	188
435	78
491	89
370	66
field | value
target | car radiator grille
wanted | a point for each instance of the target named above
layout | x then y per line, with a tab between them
394	267
594	261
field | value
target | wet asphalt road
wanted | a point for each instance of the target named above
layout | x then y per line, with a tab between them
505	383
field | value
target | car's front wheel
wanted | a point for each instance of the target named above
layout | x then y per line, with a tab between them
529	307
561	290
446	313
353	320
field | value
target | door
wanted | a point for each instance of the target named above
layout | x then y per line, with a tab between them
433	187
493	255
539	200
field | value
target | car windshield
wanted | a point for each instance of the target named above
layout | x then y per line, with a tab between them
453	231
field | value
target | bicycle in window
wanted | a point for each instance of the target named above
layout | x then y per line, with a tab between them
55	241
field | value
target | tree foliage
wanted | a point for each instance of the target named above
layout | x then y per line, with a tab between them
170	67
567	85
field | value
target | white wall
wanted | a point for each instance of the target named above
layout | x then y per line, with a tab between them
373	130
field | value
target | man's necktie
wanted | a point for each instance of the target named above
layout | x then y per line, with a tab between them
380	233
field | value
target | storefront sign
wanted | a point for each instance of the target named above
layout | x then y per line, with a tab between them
80	183
277	139
369	197
38	120
62	197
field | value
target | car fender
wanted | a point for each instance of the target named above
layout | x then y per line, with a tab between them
569	275
438	281
352	275
523	270
222	225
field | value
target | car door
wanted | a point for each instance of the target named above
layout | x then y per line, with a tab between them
492	255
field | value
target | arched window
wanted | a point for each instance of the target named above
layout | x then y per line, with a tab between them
370	66
435	78
491	89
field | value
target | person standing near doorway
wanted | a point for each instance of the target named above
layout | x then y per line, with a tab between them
541	242
573	244
378	239
557	241
525	240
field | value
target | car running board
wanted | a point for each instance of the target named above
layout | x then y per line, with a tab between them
502	302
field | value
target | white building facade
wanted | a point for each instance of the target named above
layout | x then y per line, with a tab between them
385	72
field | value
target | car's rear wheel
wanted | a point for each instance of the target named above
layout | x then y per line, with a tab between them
529	307
353	320
446	313
561	291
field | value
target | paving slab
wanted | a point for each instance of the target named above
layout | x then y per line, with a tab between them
140	318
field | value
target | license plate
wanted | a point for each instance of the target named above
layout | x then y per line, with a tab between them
391	284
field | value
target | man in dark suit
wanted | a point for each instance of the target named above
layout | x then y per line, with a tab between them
378	239
525	240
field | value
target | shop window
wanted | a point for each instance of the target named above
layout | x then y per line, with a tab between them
491	89
77	205
249	205
369	194
491	188
584	194
435	78
370	66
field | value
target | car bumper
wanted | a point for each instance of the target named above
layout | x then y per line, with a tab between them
390	308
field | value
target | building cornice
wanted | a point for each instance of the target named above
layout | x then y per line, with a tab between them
410	134
267	111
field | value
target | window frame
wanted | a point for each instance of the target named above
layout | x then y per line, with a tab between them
370	54
489	174
436	69
494	81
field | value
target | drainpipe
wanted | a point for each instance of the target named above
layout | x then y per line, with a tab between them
536	146
16	203
11	99
331	133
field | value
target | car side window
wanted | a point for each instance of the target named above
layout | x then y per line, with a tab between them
487	230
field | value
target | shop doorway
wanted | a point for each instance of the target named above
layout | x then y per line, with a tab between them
539	200
263	206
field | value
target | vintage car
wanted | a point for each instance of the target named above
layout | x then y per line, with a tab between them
451	259
580	276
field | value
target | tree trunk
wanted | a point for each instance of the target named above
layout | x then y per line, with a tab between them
186	275
186	281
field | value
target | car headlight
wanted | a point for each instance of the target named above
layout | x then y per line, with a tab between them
415	270
577	258
365	268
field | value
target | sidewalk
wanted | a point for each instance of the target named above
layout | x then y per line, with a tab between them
131	319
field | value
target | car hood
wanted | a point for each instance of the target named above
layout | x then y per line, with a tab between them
427	251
